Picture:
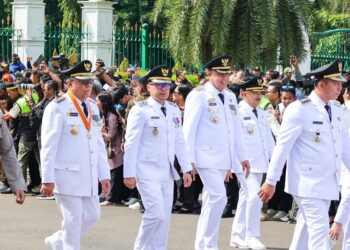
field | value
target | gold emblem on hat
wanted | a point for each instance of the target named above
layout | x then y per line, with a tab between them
224	62
340	66
260	81
155	131
165	71
87	66
74	130
317	137
215	119
250	130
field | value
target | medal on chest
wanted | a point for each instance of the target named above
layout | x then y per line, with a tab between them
155	131
250	130
214	119
74	130
317	137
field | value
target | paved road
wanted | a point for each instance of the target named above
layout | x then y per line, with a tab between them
25	227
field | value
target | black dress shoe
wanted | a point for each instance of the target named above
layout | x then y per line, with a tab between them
184	210
227	213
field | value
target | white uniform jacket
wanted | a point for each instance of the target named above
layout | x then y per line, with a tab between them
314	146
258	139
152	141
213	131
69	158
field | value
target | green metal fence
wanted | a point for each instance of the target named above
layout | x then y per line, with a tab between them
7	36
63	40
140	46
330	45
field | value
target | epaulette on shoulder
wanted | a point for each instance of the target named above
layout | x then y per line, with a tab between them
305	100
173	104
142	103
199	88
336	103
60	99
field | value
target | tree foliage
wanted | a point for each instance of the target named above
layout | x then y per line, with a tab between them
253	31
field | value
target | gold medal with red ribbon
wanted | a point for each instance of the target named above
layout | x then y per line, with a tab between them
87	123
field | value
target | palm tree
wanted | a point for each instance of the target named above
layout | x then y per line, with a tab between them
255	32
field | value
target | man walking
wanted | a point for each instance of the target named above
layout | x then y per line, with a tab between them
74	158
213	135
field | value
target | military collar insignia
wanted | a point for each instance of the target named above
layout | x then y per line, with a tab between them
336	103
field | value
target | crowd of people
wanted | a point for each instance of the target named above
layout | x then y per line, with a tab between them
227	138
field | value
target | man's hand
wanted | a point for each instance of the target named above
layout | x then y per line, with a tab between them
266	192
20	196
130	182
228	176
106	187
187	179
294	61
47	189
335	230
246	168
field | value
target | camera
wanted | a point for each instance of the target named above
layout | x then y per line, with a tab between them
62	61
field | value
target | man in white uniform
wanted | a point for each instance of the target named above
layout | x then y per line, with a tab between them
153	137
74	158
314	138
259	144
213	134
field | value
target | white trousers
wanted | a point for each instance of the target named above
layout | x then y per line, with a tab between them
213	203
311	230
157	198
79	215
247	219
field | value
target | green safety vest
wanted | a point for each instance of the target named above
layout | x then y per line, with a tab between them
264	102
23	103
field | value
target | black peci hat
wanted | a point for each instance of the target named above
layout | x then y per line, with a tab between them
252	84
220	64
80	71
330	71
159	74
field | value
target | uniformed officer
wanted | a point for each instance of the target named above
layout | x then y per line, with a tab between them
259	144
314	138
74	158
213	134
153	137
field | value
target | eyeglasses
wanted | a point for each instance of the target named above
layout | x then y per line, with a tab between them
161	85
287	87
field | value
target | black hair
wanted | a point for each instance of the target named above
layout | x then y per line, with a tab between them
51	84
119	93
275	74
107	104
184	90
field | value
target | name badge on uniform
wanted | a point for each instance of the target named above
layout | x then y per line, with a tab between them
155	117
247	118
212	104
72	114
317	122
